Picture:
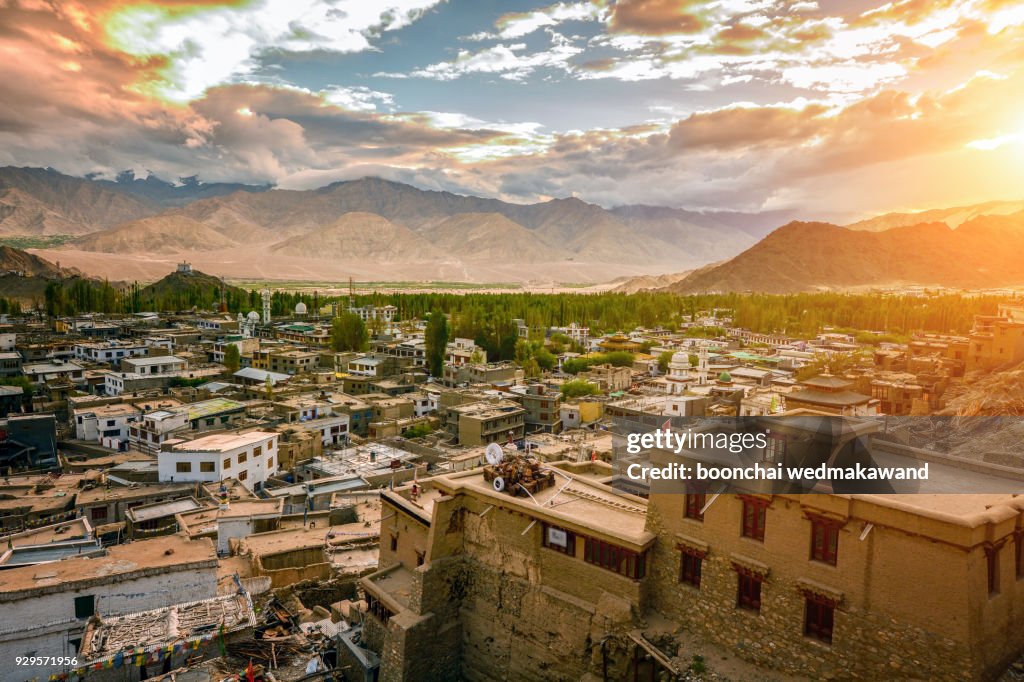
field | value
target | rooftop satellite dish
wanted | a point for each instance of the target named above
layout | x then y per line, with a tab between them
494	454
499	484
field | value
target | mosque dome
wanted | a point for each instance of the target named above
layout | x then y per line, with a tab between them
300	308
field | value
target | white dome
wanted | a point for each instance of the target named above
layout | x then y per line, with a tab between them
680	360
253	315
300	308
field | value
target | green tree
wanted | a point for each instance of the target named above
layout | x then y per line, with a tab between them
577	388
436	342
348	333
663	361
232	358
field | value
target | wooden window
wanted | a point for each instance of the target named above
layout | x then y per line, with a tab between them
98	513
559	539
257	451
270	462
394	543
818	618
207	467
825	540
992	561
227	462
690	564
242	475
754	513
243	457
748	593
618	559
694	506
183	467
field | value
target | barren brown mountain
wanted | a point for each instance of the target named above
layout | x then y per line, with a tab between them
361	236
164	233
38	201
981	253
954	217
486	237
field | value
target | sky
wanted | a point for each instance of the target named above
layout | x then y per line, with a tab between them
825	107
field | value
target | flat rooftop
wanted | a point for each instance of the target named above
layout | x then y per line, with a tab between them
162	509
164	552
581	505
222	442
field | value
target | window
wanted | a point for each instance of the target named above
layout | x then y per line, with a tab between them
85	606
818	617
394	543
559	539
690	564
243	457
243	475
98	513
207	467
694	506
622	561
754	512
420	558
824	540
748	594
183	467
227	463
257	451
270	462
210	421
992	559
775	450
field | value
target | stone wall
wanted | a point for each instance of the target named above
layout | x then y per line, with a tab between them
865	643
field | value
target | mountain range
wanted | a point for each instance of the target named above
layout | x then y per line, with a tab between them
981	253
136	229
367	228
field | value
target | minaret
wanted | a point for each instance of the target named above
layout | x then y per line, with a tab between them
702	366
266	306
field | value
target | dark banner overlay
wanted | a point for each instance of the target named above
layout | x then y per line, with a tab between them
819	454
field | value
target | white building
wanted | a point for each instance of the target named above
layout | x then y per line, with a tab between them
107	424
250	458
460	352
159	365
8	341
46	608
111	352
370	312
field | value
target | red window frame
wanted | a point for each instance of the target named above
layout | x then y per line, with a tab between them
748	591
614	558
819	619
825	541
755	513
693	506
691	564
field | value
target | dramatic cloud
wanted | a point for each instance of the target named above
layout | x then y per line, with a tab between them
734	104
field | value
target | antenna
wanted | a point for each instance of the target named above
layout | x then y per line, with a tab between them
494	454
